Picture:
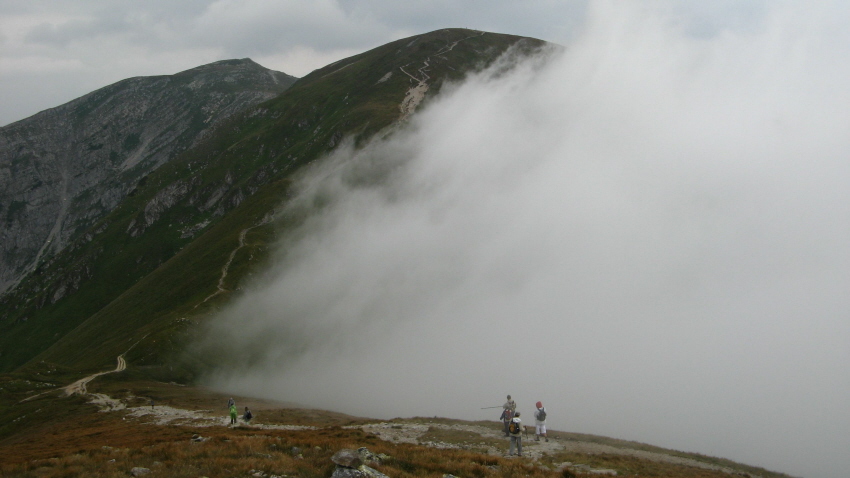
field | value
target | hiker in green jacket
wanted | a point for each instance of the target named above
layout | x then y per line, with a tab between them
233	414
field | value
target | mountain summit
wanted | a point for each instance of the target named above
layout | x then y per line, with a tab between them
64	168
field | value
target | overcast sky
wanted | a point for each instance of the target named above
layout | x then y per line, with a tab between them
660	217
52	52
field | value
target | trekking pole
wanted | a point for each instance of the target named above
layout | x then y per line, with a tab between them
498	406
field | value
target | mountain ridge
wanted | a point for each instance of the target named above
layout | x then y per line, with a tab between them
65	167
247	165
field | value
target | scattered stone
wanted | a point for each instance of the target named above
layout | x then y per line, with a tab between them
371	472
601	471
345	472
347	458
139	471
362	471
295	451
368	457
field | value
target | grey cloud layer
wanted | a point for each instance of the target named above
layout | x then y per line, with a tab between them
660	220
53	52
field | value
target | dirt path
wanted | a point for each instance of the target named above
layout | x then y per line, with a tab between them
416	93
226	267
224	270
79	387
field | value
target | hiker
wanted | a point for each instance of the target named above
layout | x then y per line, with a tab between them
540	422
508	413
248	416
231	402
516	435
233	413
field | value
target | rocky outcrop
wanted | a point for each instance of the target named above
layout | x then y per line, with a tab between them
63	169
352	464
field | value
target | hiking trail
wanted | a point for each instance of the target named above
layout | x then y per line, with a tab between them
416	93
79	387
224	270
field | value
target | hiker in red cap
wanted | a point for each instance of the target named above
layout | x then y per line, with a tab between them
540	422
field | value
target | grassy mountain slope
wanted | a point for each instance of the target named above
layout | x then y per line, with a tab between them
160	253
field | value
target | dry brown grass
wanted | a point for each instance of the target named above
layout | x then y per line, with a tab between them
468	440
80	441
241	452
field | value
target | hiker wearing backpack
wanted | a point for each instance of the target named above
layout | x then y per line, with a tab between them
508	413
233	413
248	416
515	429
540	422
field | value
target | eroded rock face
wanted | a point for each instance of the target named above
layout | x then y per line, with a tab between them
64	168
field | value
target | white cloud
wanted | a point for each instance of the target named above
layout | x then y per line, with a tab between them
660	220
101	34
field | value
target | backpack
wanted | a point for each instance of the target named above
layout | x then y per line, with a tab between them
514	427
541	414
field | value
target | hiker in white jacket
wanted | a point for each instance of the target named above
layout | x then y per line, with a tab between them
540	422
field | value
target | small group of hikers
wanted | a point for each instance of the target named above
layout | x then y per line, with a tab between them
247	416
514	427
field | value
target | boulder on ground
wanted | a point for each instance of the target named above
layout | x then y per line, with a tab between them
348	458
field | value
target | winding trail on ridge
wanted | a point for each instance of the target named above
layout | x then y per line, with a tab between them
79	387
416	93
226	268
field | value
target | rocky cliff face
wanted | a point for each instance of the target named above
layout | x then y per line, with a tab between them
64	168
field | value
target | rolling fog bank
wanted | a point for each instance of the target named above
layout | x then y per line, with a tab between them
647	231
